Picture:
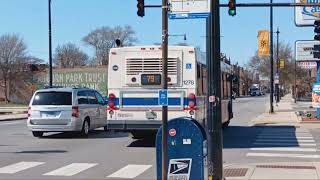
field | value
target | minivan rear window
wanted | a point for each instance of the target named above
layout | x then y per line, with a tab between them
52	98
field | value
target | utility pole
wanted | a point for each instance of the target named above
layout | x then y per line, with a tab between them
278	65
271	58
50	47
164	84
215	163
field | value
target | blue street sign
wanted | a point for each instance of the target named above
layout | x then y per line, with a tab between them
189	16
163	97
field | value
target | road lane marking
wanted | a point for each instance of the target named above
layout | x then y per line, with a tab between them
283	144
283	137
284	149
283	155
71	169
17	167
286	140
130	171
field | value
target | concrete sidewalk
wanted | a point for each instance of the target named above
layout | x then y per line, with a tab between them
273	171
284	114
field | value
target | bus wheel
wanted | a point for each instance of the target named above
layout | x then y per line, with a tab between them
225	124
143	134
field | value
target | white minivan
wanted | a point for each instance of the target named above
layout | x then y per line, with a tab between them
66	109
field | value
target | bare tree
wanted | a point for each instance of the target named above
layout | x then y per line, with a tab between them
103	39
13	61
69	55
262	64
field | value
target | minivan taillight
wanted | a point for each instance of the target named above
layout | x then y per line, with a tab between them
29	112
75	111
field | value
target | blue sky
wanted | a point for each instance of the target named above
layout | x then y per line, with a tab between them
73	19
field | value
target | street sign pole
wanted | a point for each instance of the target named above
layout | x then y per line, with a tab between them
215	163
164	84
271	58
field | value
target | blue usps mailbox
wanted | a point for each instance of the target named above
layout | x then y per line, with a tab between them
187	150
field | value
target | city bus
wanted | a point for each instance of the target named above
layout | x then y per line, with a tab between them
134	81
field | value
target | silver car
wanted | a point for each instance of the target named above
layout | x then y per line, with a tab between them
66	109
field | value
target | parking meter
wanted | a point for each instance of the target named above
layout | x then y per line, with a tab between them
187	150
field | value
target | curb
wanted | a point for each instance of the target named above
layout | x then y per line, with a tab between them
13	119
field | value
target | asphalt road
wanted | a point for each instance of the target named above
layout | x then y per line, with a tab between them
117	156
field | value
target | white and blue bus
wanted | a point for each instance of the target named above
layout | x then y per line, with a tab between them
134	81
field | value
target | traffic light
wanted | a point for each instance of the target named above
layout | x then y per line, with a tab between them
317	30
316	48
140	7
232	8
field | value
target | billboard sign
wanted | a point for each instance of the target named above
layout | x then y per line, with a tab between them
189	9
316	95
304	50
305	16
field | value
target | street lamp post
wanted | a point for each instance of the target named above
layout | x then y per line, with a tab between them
50	46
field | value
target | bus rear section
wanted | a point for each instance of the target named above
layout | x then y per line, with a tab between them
134	81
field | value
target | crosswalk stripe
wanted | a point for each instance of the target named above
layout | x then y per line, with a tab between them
17	167
286	140
284	155
130	171
283	137
284	149
283	144
71	169
285	130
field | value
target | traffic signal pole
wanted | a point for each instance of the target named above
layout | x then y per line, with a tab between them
50	47
215	163
164	84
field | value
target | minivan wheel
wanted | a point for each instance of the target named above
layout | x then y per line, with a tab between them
37	133
85	128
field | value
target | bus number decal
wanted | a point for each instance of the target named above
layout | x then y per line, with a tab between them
188	82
